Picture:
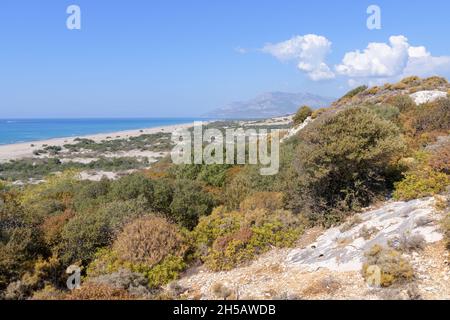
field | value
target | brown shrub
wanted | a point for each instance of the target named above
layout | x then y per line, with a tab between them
149	240
92	291
327	285
440	159
263	200
53	226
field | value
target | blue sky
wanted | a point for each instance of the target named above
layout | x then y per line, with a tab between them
170	58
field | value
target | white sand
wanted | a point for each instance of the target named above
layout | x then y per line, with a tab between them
25	150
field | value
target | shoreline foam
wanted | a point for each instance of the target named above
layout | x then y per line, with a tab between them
25	149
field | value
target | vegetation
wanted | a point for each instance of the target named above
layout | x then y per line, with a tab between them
301	115
390	264
343	162
139	232
26	169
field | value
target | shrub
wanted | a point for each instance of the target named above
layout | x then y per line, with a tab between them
392	266
221	291
368	233
412	80
386	111
263	200
440	159
131	187
411	242
189	203
20	241
148	241
372	91
225	239
166	271
433	116
93	291
82	235
343	161
404	103
318	112
446	229
302	114
420	183
355	91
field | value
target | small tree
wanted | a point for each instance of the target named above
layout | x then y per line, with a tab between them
343	160
302	114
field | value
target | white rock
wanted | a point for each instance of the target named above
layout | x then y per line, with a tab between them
427	96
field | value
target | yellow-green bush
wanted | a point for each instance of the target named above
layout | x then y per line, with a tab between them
167	270
302	114
420	183
224	239
393	267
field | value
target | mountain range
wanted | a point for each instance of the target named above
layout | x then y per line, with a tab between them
270	104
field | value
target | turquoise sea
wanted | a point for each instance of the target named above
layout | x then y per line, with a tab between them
25	130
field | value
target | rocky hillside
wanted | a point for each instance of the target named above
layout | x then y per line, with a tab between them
327	264
421	90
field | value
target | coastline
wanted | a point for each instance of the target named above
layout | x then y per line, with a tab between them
25	149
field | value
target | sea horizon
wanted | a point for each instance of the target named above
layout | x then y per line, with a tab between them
22	130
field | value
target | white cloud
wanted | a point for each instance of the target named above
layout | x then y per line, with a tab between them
241	50
385	62
309	51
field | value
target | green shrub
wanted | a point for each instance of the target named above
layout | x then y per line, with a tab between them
189	203
343	161
386	111
404	103
131	187
355	91
420	183
87	231
392	266
302	114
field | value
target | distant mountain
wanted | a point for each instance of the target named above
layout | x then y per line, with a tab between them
271	104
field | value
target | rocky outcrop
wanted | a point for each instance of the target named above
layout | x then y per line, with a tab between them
426	96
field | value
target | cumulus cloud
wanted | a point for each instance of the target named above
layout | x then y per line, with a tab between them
388	61
309	51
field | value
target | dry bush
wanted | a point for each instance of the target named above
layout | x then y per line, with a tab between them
440	159
92	291
327	285
423	221
53	226
368	233
411	242
354	221
148	241
393	267
263	200
221	291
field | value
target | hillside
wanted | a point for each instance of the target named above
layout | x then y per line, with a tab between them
267	105
359	209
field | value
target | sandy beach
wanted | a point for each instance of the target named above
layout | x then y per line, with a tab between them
25	149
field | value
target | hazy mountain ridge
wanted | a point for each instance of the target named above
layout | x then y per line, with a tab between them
270	104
